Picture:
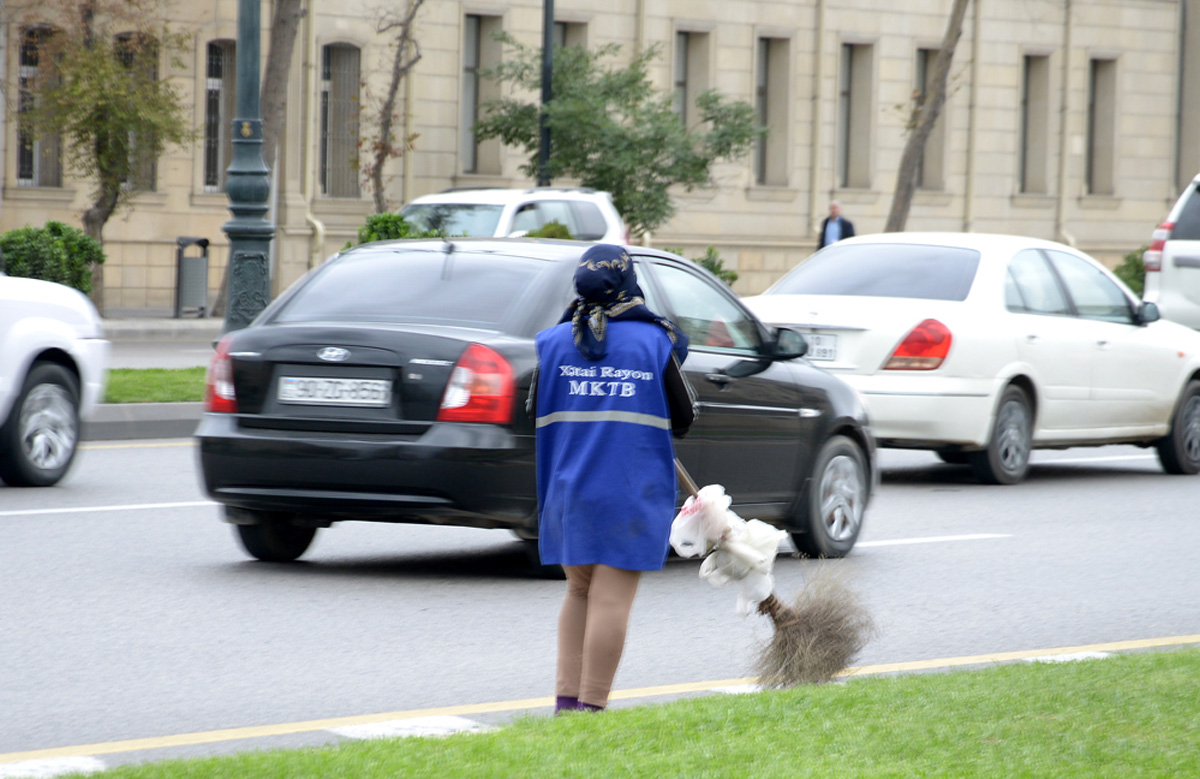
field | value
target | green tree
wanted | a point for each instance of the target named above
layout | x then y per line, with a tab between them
389	226
712	262
613	131
101	93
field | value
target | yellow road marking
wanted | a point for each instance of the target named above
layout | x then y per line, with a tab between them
291	728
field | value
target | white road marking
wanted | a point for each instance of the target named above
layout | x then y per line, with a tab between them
1086	460
935	539
420	726
91	509
52	766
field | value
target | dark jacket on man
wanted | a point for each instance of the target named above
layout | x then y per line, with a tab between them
847	230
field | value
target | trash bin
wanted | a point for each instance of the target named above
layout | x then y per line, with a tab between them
191	277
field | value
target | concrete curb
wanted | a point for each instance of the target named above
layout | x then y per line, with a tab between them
162	329
132	421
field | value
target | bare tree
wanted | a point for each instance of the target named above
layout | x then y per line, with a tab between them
384	145
284	25
926	113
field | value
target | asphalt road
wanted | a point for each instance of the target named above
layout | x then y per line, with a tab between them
129	612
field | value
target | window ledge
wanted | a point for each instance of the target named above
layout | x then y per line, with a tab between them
1100	202
483	180
1033	200
149	199
767	193
932	197
857	196
52	196
209	200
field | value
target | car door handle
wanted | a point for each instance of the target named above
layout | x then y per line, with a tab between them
1103	344
720	379
1031	337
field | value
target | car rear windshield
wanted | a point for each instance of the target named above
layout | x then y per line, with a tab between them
411	286
884	270
454	219
1187	223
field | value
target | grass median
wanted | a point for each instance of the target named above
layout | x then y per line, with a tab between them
155	385
1127	715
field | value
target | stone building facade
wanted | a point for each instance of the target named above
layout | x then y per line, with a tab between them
1076	120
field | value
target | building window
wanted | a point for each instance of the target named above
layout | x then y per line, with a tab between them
770	103
854	116
1101	125
339	120
1034	141
570	34
218	113
931	170
691	73
480	51
39	159
139	53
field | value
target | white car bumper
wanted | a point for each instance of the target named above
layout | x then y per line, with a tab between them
91	354
927	411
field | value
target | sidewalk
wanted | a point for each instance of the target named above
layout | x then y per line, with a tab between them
152	339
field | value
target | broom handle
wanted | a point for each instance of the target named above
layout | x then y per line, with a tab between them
685	478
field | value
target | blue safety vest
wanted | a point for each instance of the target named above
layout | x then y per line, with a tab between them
605	458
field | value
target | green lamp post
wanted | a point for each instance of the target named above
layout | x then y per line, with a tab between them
248	183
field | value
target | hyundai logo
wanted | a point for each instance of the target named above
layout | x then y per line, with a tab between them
333	354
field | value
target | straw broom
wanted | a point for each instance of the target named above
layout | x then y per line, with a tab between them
816	636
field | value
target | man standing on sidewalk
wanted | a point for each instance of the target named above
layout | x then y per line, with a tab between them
835	227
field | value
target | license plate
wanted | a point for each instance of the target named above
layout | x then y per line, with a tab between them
821	347
373	393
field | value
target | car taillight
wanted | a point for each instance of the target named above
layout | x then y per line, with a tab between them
923	349
1152	257
218	390
481	388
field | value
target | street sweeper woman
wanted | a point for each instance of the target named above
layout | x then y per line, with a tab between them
607	398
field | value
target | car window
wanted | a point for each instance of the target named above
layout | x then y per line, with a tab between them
1187	223
884	270
425	286
708	317
1031	287
1094	294
589	221
454	219
526	219
557	211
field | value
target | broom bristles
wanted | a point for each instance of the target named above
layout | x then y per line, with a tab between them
816	636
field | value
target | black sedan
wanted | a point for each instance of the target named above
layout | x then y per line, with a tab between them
389	385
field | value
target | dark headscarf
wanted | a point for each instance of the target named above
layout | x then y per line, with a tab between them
607	289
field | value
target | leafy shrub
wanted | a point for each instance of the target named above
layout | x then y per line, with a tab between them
1132	271
56	252
552	229
712	262
388	226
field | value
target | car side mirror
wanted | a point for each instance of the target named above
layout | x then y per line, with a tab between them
1148	312
789	344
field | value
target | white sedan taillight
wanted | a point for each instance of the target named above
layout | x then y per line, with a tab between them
1152	257
218	390
923	349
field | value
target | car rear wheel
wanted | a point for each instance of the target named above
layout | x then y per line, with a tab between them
274	539
837	497
38	442
1006	458
1179	452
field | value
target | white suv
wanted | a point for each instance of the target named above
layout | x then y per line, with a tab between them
1173	261
589	215
53	368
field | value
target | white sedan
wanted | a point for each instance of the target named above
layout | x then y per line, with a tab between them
53	369
983	347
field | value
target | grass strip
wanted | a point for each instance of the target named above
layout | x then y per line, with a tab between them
155	385
1128	715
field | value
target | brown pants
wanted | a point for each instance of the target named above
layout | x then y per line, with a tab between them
591	630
